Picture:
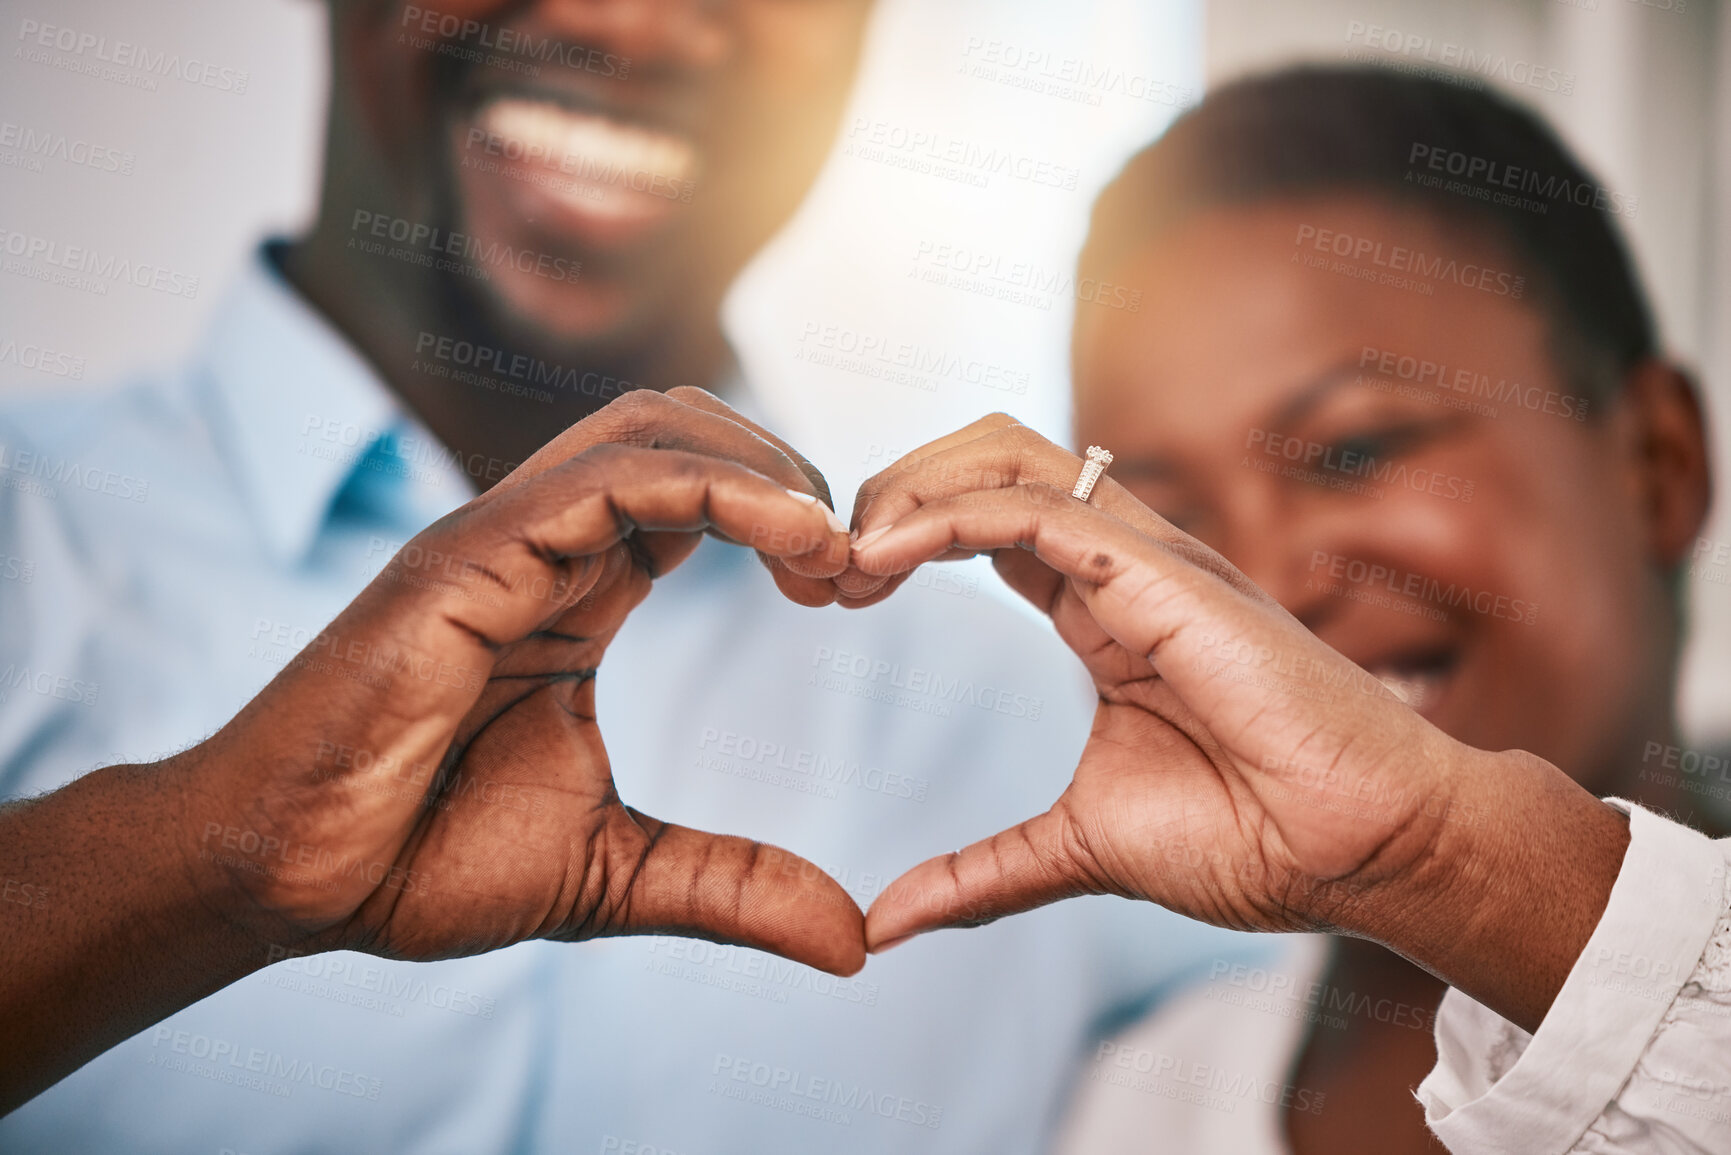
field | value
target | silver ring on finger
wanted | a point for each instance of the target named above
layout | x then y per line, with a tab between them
1098	460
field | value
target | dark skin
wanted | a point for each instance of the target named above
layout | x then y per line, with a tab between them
1584	520
731	108
175	879
745	94
475	805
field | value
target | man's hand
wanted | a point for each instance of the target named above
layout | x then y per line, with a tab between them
429	775
428	778
1239	770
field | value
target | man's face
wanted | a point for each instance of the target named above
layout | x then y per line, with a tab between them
630	154
1333	436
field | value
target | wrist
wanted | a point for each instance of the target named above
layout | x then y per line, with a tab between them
1510	886
240	867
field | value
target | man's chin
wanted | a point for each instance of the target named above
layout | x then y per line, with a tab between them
579	314
599	329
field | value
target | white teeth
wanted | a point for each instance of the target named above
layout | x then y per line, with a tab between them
591	148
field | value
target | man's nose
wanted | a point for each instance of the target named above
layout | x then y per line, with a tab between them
691	34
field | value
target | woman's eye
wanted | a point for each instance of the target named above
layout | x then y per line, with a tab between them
1389	442
1362	445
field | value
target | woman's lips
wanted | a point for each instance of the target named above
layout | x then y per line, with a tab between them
608	181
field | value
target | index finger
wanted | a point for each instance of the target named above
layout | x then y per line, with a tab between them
651	420
1142	588
709	402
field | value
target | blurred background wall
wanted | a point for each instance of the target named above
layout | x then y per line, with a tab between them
900	302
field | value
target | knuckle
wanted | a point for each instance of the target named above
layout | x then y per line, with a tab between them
638	411
1021	436
688	393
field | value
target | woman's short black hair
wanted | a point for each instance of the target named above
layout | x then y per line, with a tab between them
1468	156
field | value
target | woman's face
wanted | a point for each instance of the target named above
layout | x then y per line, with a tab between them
1358	407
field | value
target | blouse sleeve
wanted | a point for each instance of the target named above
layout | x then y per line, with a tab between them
1635	1054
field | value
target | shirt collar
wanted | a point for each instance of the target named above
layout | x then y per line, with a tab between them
296	409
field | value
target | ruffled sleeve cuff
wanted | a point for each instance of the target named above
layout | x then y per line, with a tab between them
1496	1088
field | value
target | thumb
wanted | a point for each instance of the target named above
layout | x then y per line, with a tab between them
1018	869
733	890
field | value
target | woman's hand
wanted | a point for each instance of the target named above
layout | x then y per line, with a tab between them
1239	770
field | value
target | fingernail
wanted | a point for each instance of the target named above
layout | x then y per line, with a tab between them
829	514
864	540
882	947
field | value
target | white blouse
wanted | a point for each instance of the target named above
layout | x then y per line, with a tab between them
1634	1056
1209	1070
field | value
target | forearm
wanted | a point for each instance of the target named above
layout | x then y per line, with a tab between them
113	922
1520	873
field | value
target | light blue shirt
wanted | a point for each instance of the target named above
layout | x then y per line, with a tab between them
165	548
